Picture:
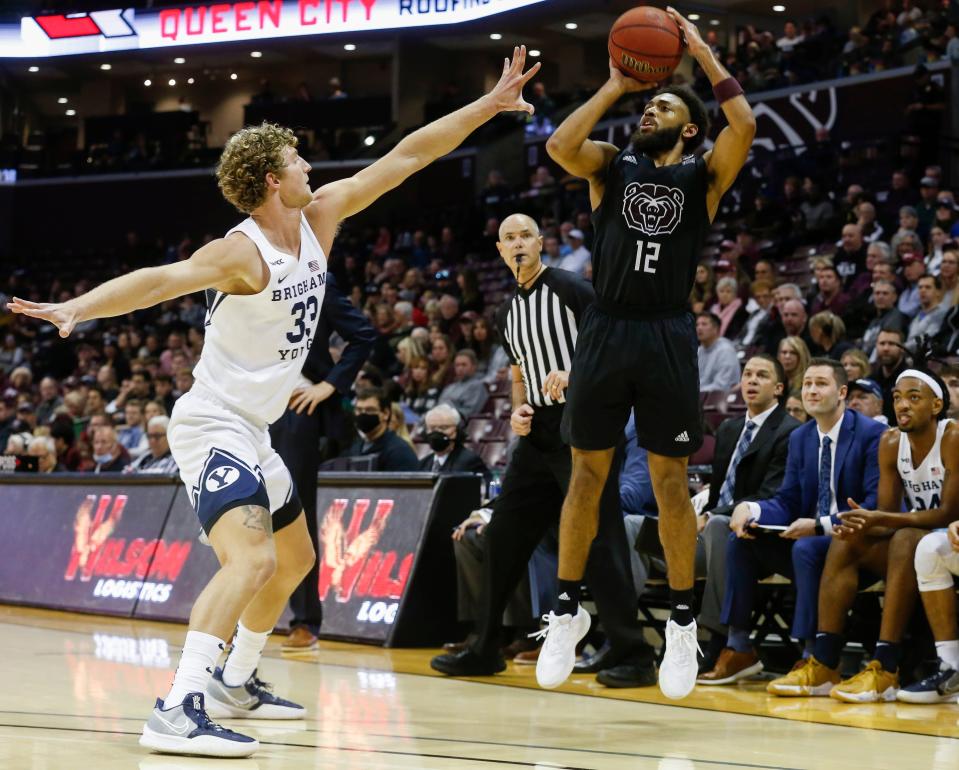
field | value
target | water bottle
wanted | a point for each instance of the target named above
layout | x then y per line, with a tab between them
494	487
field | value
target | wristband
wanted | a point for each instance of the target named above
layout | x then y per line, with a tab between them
727	89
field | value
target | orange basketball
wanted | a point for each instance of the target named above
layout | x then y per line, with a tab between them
646	44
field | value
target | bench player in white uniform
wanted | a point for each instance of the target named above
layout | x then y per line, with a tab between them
920	460
265	283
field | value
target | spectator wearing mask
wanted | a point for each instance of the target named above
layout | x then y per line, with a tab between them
44	449
467	393
109	455
718	362
931	313
372	413
913	268
444	436
159	458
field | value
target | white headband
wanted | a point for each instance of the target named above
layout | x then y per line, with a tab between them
924	377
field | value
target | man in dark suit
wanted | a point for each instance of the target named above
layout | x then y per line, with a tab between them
749	464
832	458
313	415
445	439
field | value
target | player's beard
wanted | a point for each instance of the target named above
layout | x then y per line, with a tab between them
656	142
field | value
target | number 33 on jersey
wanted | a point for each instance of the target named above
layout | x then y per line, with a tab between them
256	344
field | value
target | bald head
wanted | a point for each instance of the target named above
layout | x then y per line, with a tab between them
793	317
520	245
517	223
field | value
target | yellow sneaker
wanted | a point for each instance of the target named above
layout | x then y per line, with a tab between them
808	677
871	684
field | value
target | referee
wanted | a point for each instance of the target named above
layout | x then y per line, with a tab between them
539	327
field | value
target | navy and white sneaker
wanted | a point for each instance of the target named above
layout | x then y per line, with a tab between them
250	700
187	729
941	687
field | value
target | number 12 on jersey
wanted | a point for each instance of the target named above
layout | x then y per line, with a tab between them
647	255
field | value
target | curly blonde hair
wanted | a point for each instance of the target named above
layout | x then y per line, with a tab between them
249	155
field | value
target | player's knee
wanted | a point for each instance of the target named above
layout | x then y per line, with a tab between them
931	570
260	565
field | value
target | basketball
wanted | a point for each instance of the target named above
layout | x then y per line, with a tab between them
645	43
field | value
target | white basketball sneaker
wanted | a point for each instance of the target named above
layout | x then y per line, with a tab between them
677	672
558	655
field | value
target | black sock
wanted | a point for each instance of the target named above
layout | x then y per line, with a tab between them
887	653
828	649
682	606
568	601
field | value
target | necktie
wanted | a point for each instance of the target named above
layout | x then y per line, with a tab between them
825	475
726	493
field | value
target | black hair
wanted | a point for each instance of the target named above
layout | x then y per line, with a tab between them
838	370
777	365
698	113
714	319
378	393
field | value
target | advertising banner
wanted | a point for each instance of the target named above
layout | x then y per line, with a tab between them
369	537
129	29
88	547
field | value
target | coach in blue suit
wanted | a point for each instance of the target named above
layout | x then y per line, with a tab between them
831	458
315	412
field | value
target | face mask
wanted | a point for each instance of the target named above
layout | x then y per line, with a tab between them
367	423
103	458
438	441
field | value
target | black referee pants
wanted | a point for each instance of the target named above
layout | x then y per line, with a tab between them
296	439
534	487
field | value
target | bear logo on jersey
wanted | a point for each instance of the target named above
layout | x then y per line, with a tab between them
653	209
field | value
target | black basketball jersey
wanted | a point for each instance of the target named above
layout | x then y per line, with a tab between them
650	229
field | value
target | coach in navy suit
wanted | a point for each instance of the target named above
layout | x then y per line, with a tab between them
315	412
831	458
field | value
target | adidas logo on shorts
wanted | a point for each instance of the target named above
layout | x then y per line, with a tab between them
682	437
630	159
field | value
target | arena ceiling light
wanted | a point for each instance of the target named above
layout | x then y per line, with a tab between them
349	47
62	100
171	82
148	82
779	8
256	54
70	113
571	25
495	36
232	76
534	52
369	141
694	17
106	67
179	60
190	81
33	69
714	22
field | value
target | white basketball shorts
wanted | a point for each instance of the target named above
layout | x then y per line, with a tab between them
225	458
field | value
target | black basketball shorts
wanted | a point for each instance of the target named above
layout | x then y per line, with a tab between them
647	365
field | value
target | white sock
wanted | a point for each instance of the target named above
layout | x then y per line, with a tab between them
948	653
200	654
245	655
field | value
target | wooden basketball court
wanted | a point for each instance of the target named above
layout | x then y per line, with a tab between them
78	688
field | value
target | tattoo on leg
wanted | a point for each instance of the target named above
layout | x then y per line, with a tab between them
256	517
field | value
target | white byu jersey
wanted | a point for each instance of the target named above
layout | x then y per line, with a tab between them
256	344
922	485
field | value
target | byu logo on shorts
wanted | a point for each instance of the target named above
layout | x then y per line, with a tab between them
653	209
221	478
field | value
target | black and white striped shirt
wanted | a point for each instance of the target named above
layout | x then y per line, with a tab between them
538	327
